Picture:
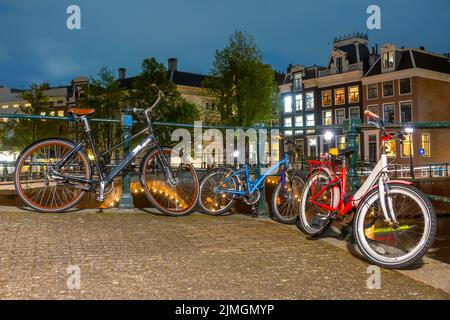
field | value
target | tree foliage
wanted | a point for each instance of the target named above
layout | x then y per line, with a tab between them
241	86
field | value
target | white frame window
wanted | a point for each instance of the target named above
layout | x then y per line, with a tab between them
339	143
367	91
336	118
299	102
393	89
330	103
325	117
384	111
343	95
288	122
353	95
299	121
309	100
407	146
422	141
400	87
350	112
401	113
288	104
388	59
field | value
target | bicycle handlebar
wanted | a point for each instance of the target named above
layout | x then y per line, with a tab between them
157	102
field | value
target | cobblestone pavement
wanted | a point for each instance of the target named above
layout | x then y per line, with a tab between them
145	256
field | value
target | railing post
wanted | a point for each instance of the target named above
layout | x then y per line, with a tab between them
126	199
262	209
351	130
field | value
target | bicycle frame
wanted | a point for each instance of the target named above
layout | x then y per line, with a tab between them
253	185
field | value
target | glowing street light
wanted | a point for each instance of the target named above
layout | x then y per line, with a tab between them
328	136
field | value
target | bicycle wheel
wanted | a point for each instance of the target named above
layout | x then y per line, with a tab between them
173	198
313	220
35	184
211	202
286	199
401	244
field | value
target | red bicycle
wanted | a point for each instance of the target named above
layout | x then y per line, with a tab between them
394	223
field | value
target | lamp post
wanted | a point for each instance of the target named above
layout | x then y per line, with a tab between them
328	136
410	131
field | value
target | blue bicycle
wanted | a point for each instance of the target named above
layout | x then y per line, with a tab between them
221	187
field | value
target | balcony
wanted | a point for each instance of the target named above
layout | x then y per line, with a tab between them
347	68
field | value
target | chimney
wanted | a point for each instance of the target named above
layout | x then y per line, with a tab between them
422	48
122	73
172	64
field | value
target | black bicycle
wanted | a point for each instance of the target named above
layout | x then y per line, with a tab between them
53	175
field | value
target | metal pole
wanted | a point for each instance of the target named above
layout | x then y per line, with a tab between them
126	199
411	165
262	209
351	129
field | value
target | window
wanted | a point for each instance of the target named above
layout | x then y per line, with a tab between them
388	59
388	113
288	133
390	148
388	88
43	113
51	104
374	109
340	142
5	106
287	104
52	113
310	122
339	65
297	81
298	121
340	116
373	148
298	102
372	91
426	144
339	96
309	100
354	113
326	98
327	118
353	94
405	86
16	105
288	122
405	112
61	113
27	105
408	146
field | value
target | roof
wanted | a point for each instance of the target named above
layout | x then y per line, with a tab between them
422	59
180	78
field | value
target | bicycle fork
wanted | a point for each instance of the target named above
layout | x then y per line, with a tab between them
387	206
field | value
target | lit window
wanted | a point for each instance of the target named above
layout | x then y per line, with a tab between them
27	105
339	96
388	113
287	104
310	122
408	146
390	148
388	88
405	112
426	144
372	91
309	100
43	113
298	121
16	105
52	113
340	142
327	118
353	94
340	116
298	102
60	113
288	122
5	106
297	81
354	113
326	98
288	133
388	59
405	86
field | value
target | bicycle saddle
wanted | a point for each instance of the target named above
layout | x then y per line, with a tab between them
81	111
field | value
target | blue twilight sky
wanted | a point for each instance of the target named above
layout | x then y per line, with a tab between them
36	46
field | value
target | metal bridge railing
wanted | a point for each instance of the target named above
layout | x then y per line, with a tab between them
351	129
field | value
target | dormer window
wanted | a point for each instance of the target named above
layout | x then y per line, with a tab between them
339	65
297	81
388	59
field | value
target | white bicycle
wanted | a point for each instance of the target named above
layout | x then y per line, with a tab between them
394	223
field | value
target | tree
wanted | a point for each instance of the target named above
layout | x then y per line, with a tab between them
240	85
174	108
106	96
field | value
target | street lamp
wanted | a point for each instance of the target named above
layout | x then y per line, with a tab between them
328	136
410	131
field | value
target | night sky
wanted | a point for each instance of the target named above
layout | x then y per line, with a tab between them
36	46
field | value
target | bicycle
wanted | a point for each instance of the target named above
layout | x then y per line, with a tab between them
221	187
53	175
394	223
